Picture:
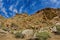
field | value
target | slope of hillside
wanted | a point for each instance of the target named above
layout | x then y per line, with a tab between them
43	18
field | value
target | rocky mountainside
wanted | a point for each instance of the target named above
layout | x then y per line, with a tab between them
41	18
44	18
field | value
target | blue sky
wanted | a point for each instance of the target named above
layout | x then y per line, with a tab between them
9	8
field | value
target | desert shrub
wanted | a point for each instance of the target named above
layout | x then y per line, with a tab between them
43	35
58	29
19	35
5	29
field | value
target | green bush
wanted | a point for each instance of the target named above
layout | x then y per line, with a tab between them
19	35
5	29
43	35
58	29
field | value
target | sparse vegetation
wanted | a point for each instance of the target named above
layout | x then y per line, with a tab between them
5	29
19	35
43	35
58	29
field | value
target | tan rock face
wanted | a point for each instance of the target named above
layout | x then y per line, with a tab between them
28	33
